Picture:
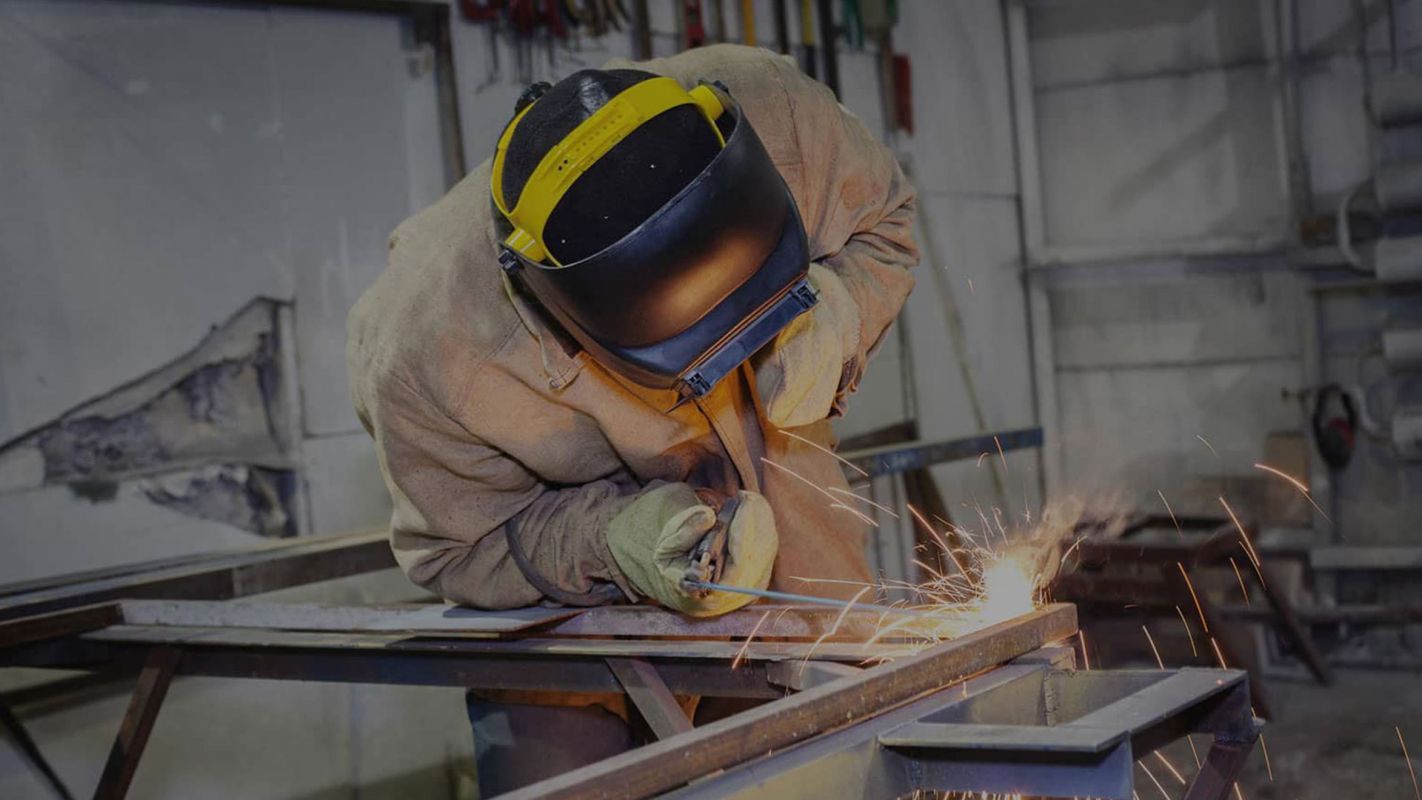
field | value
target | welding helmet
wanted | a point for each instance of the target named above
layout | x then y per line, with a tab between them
700	276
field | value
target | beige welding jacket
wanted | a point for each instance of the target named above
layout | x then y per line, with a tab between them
507	451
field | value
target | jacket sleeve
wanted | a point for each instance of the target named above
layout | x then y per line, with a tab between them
858	209
474	526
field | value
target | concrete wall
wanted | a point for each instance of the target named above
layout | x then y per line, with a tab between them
1177	317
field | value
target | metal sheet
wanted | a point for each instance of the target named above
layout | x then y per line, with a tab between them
410	618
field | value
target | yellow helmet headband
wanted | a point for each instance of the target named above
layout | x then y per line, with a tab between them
566	161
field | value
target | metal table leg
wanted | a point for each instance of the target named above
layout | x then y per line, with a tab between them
1220	771
137	724
649	693
31	751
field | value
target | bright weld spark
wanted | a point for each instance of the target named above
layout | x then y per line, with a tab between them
1218	654
1173	771
824	449
833	628
864	499
1153	780
927	527
1085	659
1243	537
741	654
1170	511
1298	484
856	512
981	456
800	478
1000	454
1193	650
1193	596
1239	578
1193	751
1268	767
1207	444
1146	630
1417	793
1238	793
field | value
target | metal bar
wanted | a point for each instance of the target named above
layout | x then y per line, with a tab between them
1218	774
1292	629
1010	738
224	577
426	618
803	622
31	751
891	459
649	693
849	760
672	762
199	638
37	628
137	724
805	675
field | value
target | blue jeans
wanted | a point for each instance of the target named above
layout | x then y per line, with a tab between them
516	745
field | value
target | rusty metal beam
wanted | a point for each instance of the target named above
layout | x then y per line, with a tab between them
39	627
672	762
137	724
650	695
220	577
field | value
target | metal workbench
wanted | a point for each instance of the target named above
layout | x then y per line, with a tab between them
999	709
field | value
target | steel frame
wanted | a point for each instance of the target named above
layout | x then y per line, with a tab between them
949	717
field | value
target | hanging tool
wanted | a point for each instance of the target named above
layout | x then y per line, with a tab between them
693	29
809	61
718	21
782	26
641	30
853	23
748	22
523	18
827	45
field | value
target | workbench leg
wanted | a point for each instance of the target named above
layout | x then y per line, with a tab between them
1220	771
32	753
1294	630
649	693
137	723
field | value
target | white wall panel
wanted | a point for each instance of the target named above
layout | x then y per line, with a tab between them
52	531
1190	318
344	486
962	114
1095	41
1161	161
1130	432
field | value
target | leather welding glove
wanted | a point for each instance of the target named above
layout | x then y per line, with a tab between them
798	375
652	540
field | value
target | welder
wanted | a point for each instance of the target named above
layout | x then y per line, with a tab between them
607	359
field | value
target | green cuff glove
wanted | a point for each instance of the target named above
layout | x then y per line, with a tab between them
652	540
798	375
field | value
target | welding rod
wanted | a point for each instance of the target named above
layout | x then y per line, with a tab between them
791	597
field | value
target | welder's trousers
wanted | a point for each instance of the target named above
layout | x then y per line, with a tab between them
515	744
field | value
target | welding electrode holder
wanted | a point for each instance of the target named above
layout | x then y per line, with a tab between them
708	559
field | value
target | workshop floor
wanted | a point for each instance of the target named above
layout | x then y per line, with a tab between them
1336	742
